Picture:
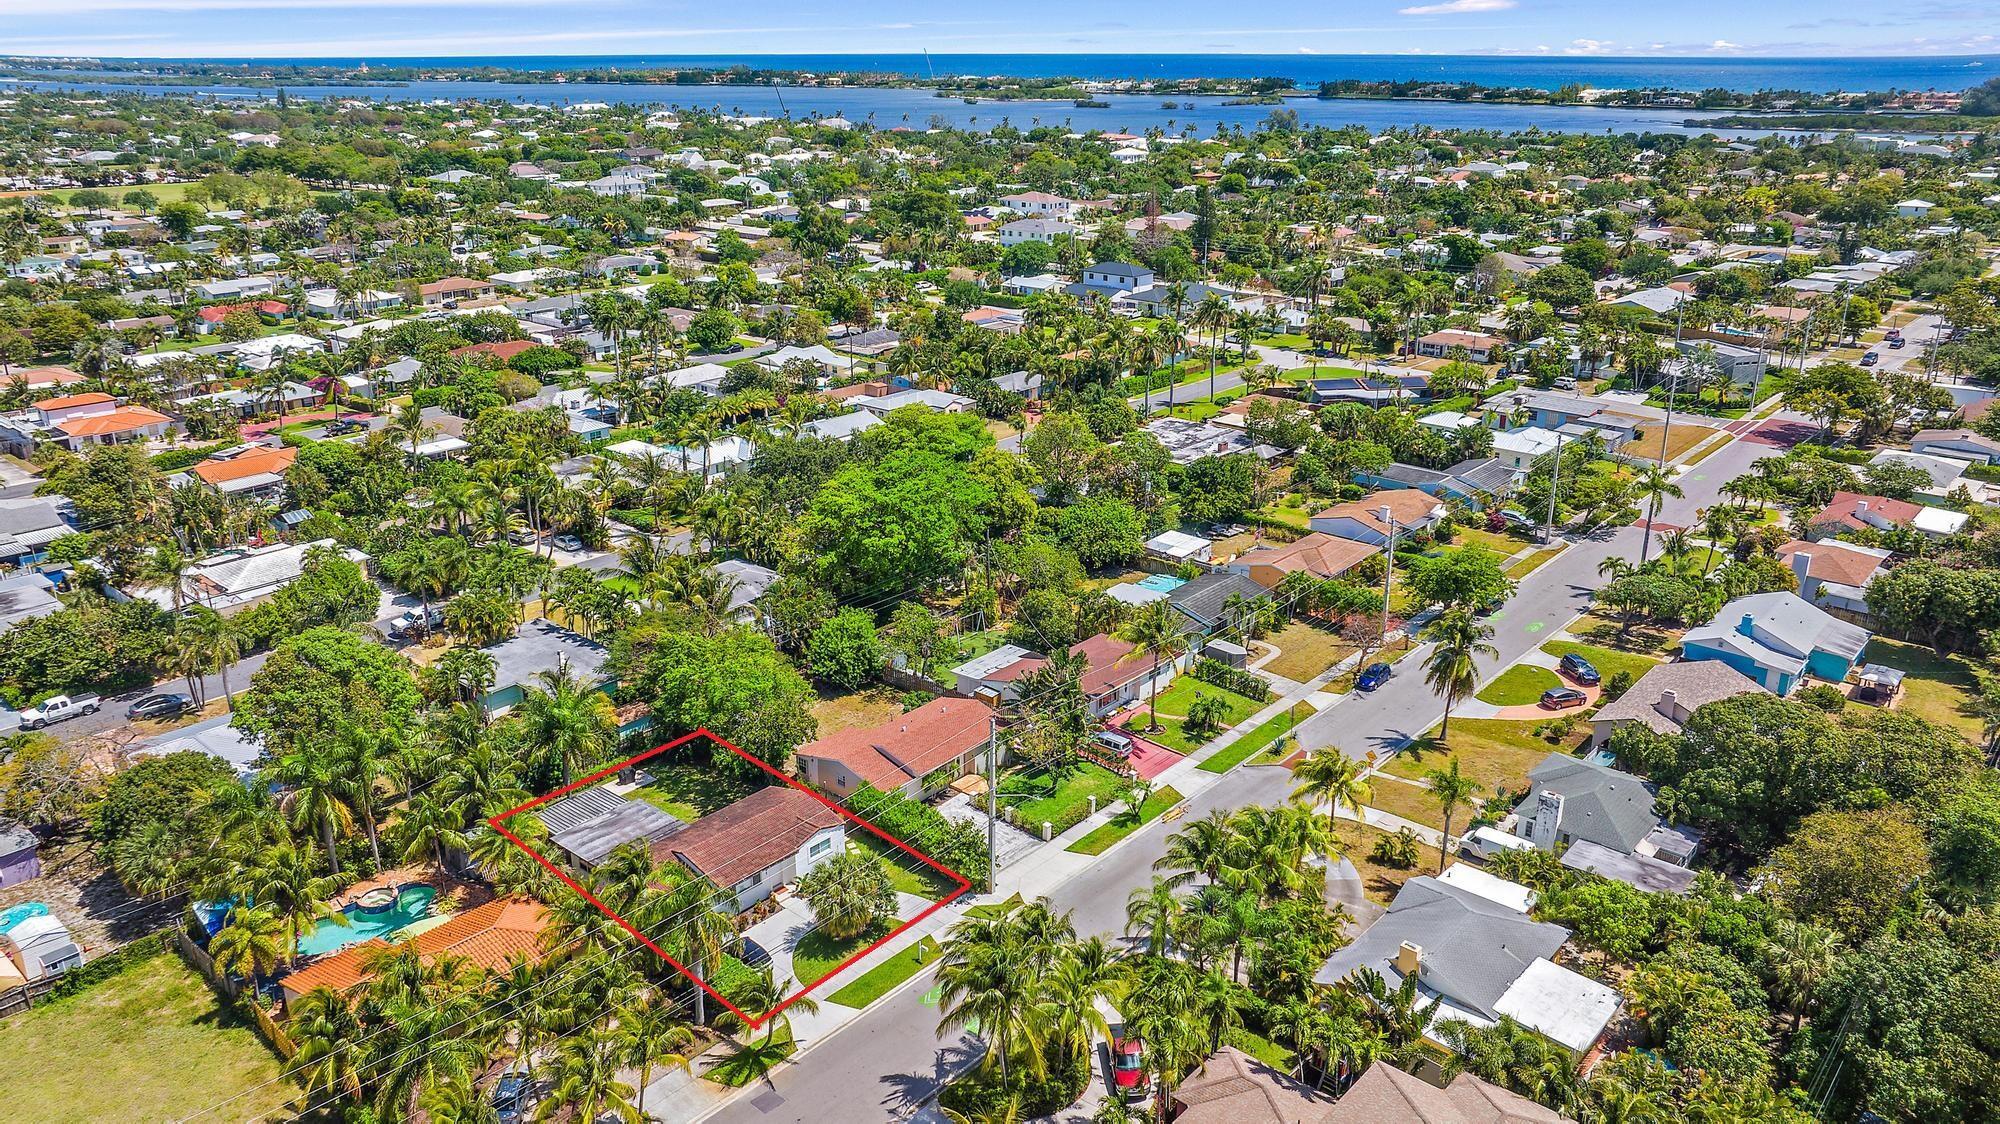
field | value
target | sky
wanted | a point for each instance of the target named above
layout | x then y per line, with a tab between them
389	28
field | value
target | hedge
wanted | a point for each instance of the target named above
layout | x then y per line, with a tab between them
175	460
981	1096
1247	684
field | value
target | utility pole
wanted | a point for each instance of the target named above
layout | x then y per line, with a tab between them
1389	571
1555	476
992	796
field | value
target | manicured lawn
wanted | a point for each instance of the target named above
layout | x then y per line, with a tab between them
1263	1049
906	874
1305	650
995	910
1532	563
152	1043
1238	751
1290	511
972	645
1933	689
1030	795
818	953
1409	801
1504	545
1603	627
1173	707
884	977
1496	753
1519	685
1100	839
751	1062
1607	662
1380	882
689	792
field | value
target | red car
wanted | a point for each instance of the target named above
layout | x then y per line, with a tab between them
1128	1070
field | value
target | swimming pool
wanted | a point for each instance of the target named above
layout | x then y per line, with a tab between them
1160	583
379	913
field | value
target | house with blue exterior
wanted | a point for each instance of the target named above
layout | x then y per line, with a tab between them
1777	639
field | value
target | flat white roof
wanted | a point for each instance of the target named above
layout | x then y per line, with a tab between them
1493	888
1567	1007
979	667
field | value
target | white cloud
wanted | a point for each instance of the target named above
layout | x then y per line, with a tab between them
1458	7
1724	45
1588	46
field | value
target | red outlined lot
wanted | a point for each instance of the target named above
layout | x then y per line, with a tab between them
754	1022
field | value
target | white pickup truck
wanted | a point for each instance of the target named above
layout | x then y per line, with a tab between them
62	708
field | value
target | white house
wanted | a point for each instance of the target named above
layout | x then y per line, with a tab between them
750	848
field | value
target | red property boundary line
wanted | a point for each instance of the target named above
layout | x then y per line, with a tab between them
753	1022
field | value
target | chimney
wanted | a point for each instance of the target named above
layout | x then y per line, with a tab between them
1860	507
1802	568
1748	625
1669	699
1409	957
1545	827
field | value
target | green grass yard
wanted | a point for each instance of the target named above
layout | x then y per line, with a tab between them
689	792
995	910
906	874
884	977
1933	689
1520	685
819	953
1607	661
1267	733
1173	708
151	1043
1494	752
1305	651
1410	801
1032	797
1125	823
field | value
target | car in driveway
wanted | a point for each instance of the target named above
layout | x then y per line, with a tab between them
1563	698
1128	1069
164	705
570	543
1373	676
1579	670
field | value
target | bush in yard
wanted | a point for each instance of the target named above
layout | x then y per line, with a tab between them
1247	684
845	650
1824	696
982	1096
1619	683
1205	716
848	893
1398	850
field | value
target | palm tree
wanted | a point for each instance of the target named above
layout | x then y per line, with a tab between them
430	828
848	893
653	1034
1201	848
251	943
1157	632
1451	789
568	722
1452	668
586	1080
1800	958
205	643
988	978
314	799
363	758
408	425
1156	909
1331	778
327	1029
280	879
1655	485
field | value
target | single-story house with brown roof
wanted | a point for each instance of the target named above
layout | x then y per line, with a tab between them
913	754
1362	520
1387	1095
1231	1087
1319	554
750	848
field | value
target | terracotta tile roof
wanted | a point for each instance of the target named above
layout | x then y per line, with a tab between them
117	421
503	351
217	313
491	936
1833	562
253	463
87	398
907	746
1844	509
1407	504
735	842
1320	554
44	376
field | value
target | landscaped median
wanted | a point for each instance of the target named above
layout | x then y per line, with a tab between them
885	977
1267	732
1125	823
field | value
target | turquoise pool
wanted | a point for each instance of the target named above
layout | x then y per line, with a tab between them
372	916
1160	583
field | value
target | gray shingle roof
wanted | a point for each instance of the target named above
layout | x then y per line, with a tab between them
1206	598
1473	949
1600	804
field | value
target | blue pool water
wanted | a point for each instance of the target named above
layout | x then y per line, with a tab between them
412	904
20	913
1160	583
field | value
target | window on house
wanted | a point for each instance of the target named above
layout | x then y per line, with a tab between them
820	848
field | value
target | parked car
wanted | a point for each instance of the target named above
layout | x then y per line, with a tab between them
570	543
1373	676
62	708
167	705
1870	359
510	1098
1565	382
1898	343
1516	518
1563	698
1580	669
521	538
1128	1069
1117	741
338	426
752	954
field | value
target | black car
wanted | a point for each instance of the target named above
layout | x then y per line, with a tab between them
339	426
160	706
1580	670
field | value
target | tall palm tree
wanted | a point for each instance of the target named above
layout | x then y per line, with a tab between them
430	829
1452	790
314	799
988	978
251	943
1654	486
206	643
1157	632
281	878
1331	778
364	758
568	722
1452	668
652	1033
1201	848
585	1081
327	1029
1155	908
1800	958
